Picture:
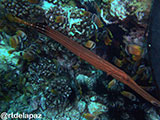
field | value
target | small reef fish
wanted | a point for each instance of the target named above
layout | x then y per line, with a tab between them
108	38
111	83
14	41
90	44
60	19
129	95
89	116
34	1
118	62
97	21
17	40
93	7
107	41
135	51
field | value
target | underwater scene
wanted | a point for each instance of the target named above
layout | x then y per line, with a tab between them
79	59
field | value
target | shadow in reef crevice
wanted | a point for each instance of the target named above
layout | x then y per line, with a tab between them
154	43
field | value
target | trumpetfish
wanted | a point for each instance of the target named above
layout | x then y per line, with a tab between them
91	58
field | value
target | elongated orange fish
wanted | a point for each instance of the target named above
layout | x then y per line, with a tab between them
93	59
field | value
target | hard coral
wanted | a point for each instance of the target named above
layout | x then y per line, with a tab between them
72	22
58	92
57	1
22	9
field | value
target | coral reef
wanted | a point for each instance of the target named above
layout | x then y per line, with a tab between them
39	75
122	9
71	21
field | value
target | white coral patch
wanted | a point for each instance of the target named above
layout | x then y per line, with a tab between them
96	108
7	59
46	5
118	8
